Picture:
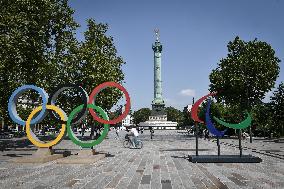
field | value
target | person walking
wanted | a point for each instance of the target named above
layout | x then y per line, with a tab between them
142	130
151	132
116	132
83	130
207	134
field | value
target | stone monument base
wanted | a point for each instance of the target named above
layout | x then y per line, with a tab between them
85	156
42	155
224	159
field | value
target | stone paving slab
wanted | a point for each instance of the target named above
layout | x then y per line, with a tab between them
162	163
37	159
42	155
76	159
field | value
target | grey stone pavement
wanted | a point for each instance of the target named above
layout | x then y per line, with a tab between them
160	164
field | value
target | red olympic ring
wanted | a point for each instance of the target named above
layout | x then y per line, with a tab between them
99	88
194	109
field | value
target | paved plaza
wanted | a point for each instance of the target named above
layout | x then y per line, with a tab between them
162	163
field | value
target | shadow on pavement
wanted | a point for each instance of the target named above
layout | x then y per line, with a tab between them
177	149
8	144
17	155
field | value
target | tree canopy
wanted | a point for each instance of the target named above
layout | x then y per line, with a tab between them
174	115
246	74
38	46
141	115
244	77
277	109
99	63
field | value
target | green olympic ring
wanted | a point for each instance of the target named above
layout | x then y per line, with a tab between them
72	136
244	124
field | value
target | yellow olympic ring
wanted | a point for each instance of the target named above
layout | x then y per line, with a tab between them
58	138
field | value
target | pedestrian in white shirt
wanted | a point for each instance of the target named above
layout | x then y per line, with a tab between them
135	136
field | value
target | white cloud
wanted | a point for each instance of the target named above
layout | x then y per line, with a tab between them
187	92
178	103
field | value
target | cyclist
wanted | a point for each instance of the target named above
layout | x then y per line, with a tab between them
135	136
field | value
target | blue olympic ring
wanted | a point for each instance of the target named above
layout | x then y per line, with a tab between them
13	100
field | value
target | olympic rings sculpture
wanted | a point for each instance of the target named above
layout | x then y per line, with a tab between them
79	113
209	124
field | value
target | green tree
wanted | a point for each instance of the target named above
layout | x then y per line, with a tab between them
277	107
38	46
35	38
100	63
174	114
141	115
246	74
187	121
262	118
92	62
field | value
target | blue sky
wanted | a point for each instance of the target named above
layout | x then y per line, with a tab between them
194	35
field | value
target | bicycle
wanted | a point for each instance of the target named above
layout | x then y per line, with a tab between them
127	143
